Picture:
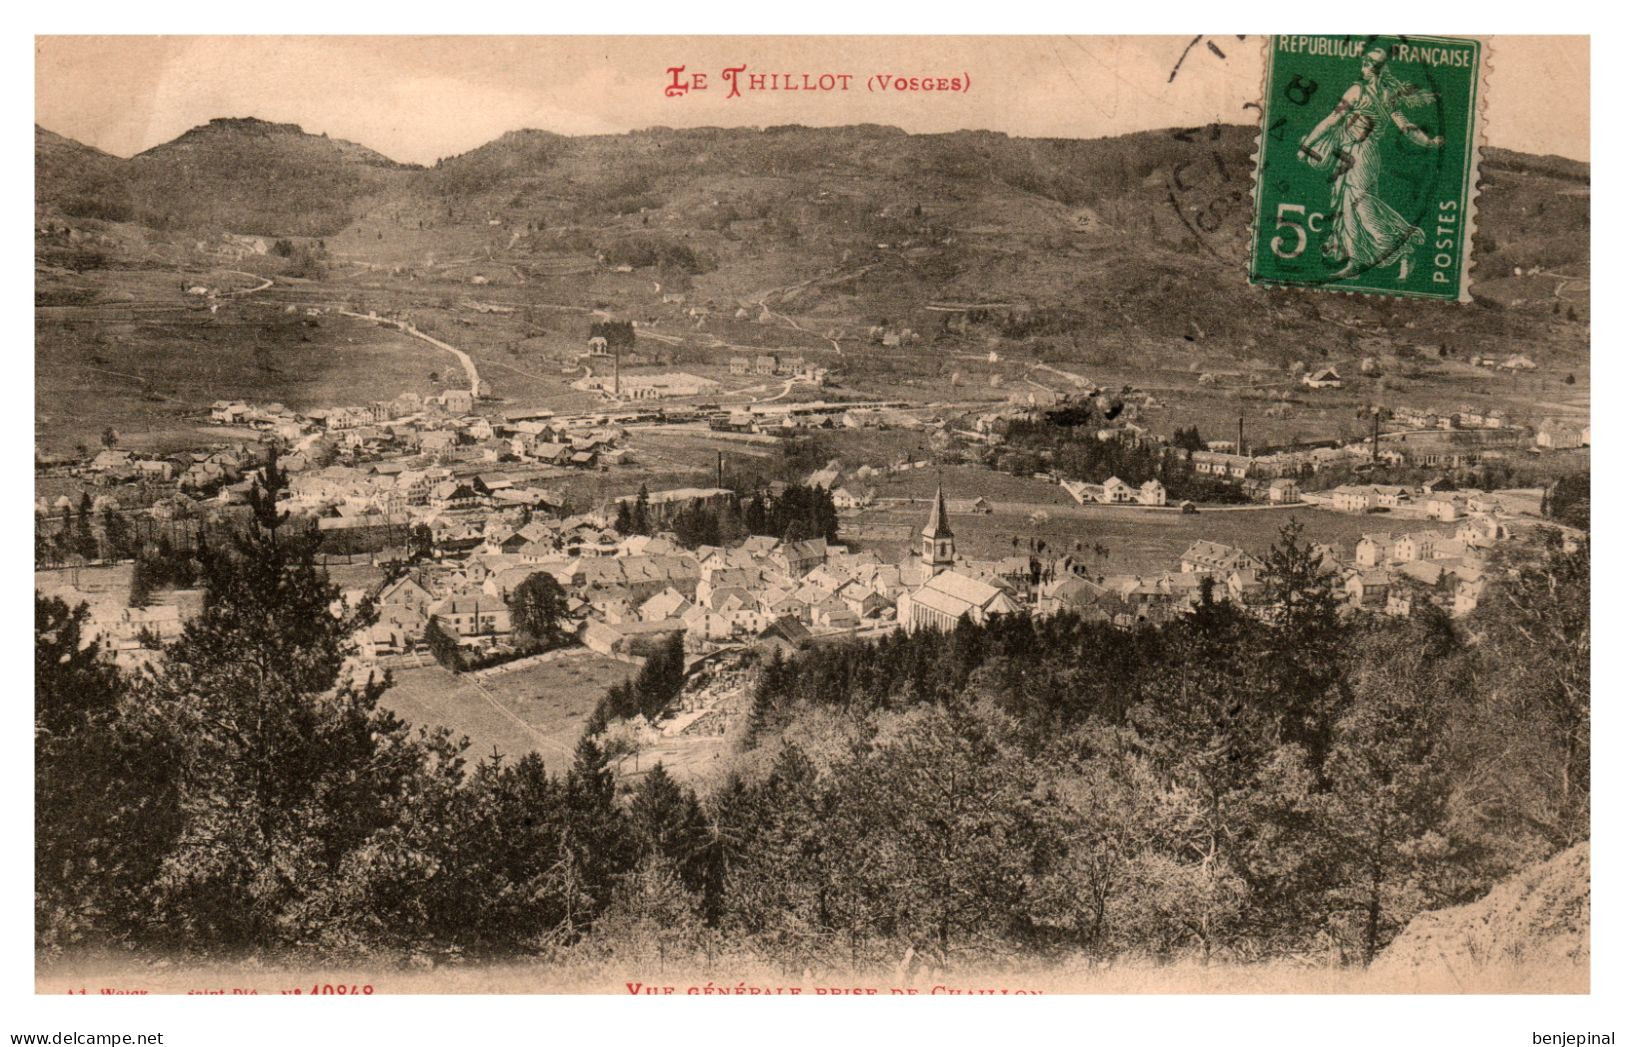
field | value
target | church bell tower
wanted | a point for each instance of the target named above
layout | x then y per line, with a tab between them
936	540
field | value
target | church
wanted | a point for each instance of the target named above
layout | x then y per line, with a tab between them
948	596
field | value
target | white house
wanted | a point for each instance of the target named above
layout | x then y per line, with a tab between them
1116	492
1284	491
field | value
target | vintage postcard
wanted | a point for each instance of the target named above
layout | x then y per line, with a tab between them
725	516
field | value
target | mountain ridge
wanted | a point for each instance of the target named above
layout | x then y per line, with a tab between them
1579	169
1102	241
256	127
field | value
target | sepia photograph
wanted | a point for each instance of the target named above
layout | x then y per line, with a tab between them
812	516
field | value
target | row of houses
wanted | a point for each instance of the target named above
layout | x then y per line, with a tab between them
1386	573
628	593
1434	504
391	489
1117	492
440	425
767	364
1233	467
190	471
1397	574
645	386
1515	362
275	417
641	589
1466	416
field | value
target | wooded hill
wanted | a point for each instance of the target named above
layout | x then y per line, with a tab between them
1141	235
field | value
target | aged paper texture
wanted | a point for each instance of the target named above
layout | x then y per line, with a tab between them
812	516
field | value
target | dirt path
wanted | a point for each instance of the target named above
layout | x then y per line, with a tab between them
463	358
781	394
1075	379
509	714
247	290
795	326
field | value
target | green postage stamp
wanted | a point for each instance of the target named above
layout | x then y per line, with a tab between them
1367	164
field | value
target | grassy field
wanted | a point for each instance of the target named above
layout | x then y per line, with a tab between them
539	709
152	378
357	575
149	358
971	481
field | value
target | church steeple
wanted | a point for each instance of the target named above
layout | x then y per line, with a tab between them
937	540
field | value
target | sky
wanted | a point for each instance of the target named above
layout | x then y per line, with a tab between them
416	99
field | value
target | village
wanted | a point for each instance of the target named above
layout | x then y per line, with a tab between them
629	472
454	503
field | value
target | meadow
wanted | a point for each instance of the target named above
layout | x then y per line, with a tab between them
539	708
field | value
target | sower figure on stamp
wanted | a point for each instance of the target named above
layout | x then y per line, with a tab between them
1365	232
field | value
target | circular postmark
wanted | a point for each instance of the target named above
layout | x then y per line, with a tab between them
1208	188
1209	192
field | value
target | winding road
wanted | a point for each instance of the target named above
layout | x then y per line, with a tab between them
247	290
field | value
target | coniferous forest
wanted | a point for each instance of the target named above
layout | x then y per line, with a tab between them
1281	782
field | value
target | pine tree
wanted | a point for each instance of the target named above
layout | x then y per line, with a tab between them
595	849
666	821
776	852
420	542
116	533
661	679
940	833
140	583
288	764
1207	738
770	683
103	791
84	536
1532	724
652	917
1386	808
73	686
443	645
640	511
756	516
1302	662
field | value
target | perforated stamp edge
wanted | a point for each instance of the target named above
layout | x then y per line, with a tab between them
1472	181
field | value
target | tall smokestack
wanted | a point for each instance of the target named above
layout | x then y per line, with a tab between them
719	468
1241	434
1376	432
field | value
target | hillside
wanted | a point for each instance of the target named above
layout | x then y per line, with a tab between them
1092	251
238	175
1108	244
78	180
1539	920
